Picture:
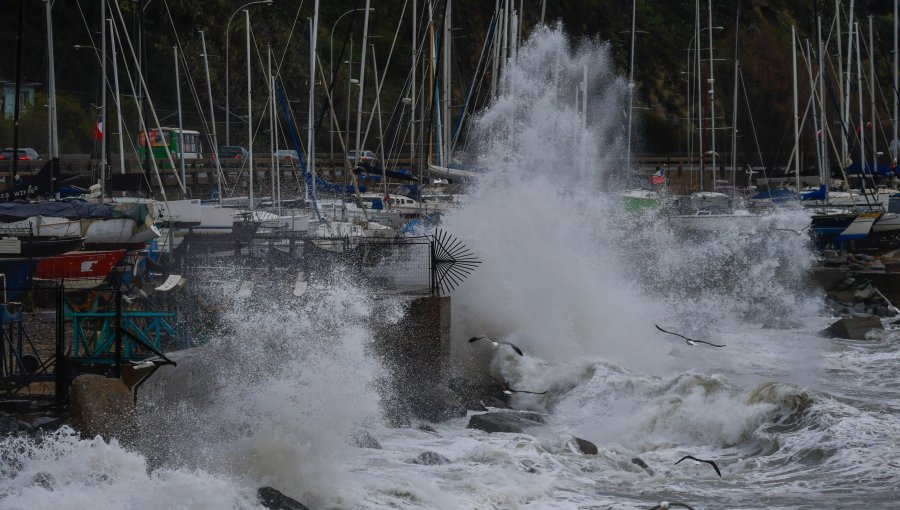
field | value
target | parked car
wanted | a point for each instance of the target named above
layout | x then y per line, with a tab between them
25	154
364	156
287	156
232	152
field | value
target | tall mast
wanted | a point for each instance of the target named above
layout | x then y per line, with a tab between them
446	81
734	105
53	146
894	121
362	81
812	88
630	89
825	131
840	79
212	117
872	95
850	29
311	133
271	91
115	65
250	111
496	48
180	117
412	101
712	99
104	164
699	93
859	91
796	109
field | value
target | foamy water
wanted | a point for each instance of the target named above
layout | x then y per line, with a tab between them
792	419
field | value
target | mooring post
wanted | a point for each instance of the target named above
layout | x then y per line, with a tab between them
60	375
118	372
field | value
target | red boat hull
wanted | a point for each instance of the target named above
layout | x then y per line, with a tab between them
84	269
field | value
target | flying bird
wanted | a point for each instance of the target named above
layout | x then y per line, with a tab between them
711	463
690	341
497	344
798	232
665	505
507	390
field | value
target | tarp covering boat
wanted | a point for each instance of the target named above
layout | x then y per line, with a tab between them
72	210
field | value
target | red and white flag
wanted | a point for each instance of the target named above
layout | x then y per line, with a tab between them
659	177
98	130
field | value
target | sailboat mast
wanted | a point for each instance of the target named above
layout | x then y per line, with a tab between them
859	91
114	57
104	163
272	151
796	108
699	93
311	133
630	90
894	122
446	81
212	117
712	99
496	48
734	105
872	95
840	78
846	100
180	117
362	81
412	101
821	78
250	111
53	145
815	117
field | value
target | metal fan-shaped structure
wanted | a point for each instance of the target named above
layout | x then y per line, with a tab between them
451	262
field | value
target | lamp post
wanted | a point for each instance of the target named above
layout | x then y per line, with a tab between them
331	67
227	33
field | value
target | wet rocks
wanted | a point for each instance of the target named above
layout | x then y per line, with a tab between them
430	458
851	297
274	499
8	425
424	427
436	403
102	406
643	465
853	328
362	439
584	446
505	421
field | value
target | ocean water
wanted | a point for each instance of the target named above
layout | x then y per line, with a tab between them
794	421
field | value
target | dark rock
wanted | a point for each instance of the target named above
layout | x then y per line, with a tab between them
431	459
102	406
43	479
8	425
362	439
642	464
15	406
274	499
476	405
505	421
853	328
424	427
586	447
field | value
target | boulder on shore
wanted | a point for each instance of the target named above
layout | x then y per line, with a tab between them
505	421
853	328
586	447
102	406
274	499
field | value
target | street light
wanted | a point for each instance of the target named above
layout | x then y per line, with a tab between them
331	67
227	35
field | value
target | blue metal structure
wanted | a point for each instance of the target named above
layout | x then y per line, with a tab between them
98	345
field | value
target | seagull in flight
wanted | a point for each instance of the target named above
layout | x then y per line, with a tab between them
665	505
798	232
711	463
690	341
497	344
509	391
